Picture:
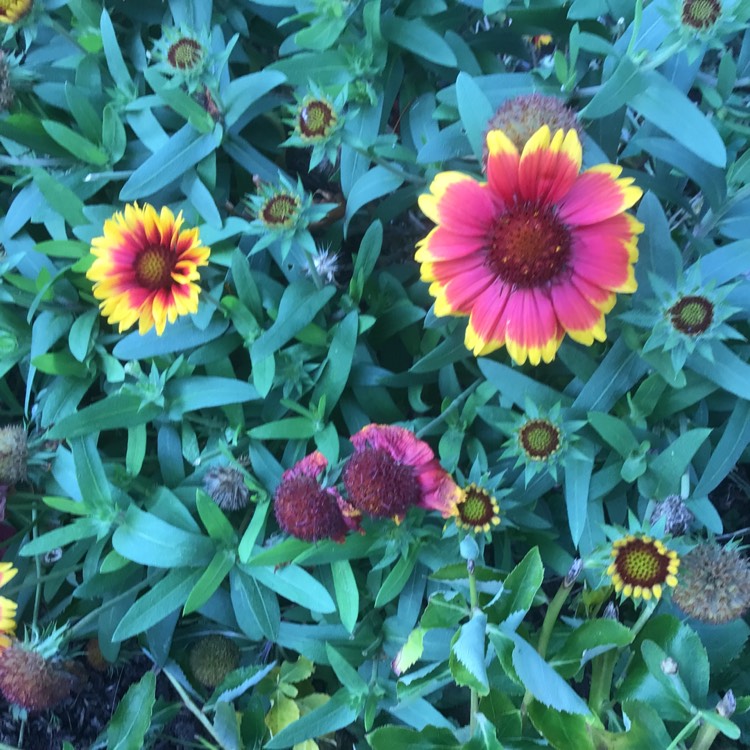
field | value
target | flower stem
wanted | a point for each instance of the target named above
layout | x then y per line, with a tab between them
686	731
474	603
705	737
38	568
637	18
186	699
602	669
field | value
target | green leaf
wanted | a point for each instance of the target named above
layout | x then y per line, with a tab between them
158	603
255	607
293	428
665	106
82	528
589	639
403	738
216	523
213	575
245	90
397	578
128	727
367	256
475	111
727	370
410	653
80	334
75	144
115	61
520	587
564	731
347	675
625	82
724	725
417	37
442	612
90	473
664	472
60	197
542	681
146	539
179	336
347	593
114	137
247	543
337	713
374	184
117	411
614	432
136	452
203	392
518	387
226	728
299	305
180	101
297	585
167	165
467	650
578	470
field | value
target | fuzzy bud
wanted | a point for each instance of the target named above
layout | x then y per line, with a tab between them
677	515
669	666
212	658
227	488
572	575
13	454
29	680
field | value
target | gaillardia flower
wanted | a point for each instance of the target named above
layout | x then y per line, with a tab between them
538	251
642	566
12	11
145	268
392	470
7	607
714	584
700	15
475	509
306	509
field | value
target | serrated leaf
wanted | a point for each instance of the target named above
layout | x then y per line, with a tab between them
128	727
468	649
410	653
520	587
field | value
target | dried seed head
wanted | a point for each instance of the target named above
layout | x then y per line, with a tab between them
13	454
212	658
677	515
227	488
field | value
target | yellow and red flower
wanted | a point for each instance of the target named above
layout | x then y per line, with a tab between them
306	509
145	268
538	251
392	470
7	607
12	11
642	566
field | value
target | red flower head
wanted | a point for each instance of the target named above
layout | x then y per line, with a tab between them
309	511
538	251
391	470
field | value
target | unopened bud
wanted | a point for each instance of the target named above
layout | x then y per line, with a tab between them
573	573
727	705
669	666
611	612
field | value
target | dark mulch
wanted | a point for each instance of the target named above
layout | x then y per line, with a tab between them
82	717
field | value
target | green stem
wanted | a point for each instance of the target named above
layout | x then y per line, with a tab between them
453	406
637	18
38	568
474	603
602	669
705	737
643	618
686	731
187	700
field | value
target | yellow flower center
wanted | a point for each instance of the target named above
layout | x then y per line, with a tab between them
539	438
184	54
13	10
701	14
529	245
692	315
639	562
153	268
316	119
280	210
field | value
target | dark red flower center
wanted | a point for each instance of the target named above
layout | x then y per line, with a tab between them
184	54
378	485
640	563
316	119
306	510
154	266
692	315
280	209
529	245
477	508
700	14
539	439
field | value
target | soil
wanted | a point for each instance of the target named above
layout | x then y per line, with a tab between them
82	717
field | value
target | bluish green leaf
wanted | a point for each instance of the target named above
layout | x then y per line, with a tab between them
468	648
255	607
417	37
216	571
347	593
625	82
475	111
578	470
375	183
132	719
297	585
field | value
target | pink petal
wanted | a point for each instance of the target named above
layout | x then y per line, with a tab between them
597	195
547	172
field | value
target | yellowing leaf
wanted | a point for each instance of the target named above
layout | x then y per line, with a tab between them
282	714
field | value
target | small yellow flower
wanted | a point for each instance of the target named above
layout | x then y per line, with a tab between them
7	607
642	566
475	509
12	11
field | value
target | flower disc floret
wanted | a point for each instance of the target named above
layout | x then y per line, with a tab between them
692	314
280	211
306	509
537	252
8	608
145	267
700	14
185	54
642	566
391	470
12	11
540	439
476	509
316	119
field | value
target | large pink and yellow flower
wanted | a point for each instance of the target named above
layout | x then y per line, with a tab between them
392	470
538	251
145	268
